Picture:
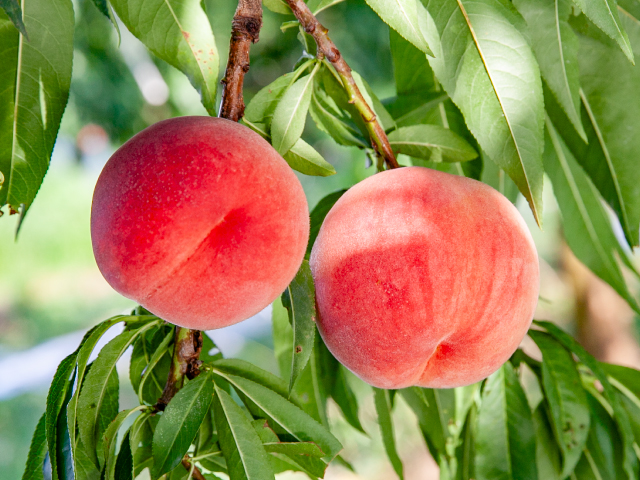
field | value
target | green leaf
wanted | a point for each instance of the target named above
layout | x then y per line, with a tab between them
264	431
57	400
283	463
318	215
431	143
300	300
505	437
215	464
96	389
296	456
278	6
313	467
629	8
498	179
418	108
37	452
566	398
241	446
295	448
89	342
384	118
332	91
143	358
465	452
310	392
261	107
627	382
103	7
435	410
602	456
64	453
207	437
14	12
282	339
627	378
612	108
407	17
290	114
153	380
328	118
108	411
383	409
110	437
548	456
143	348
180	422
34	88
285	414
141	442
633	410
178	32
242	368
604	13
124	462
411	69
587	226
318	6
556	48
207	348
84	467
178	473
305	159
489	71
336	384
619	414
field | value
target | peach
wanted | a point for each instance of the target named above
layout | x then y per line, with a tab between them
200	221
424	278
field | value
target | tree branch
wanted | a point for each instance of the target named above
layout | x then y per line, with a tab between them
247	22
186	350
196	473
313	27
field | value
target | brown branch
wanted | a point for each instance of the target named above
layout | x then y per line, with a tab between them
247	22
197	474
326	47
186	350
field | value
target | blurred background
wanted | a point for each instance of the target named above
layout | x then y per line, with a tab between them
51	291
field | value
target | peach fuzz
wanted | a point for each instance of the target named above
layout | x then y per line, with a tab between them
199	220
424	278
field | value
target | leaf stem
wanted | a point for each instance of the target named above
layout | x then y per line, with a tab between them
186	350
327	48
246	25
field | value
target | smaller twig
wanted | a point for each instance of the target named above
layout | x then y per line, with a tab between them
246	25
326	47
186	350
192	469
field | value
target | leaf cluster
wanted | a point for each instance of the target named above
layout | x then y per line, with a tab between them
568	416
83	435
502	92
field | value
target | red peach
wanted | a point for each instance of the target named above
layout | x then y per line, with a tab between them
199	220
424	278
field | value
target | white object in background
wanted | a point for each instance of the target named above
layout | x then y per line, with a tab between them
34	368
